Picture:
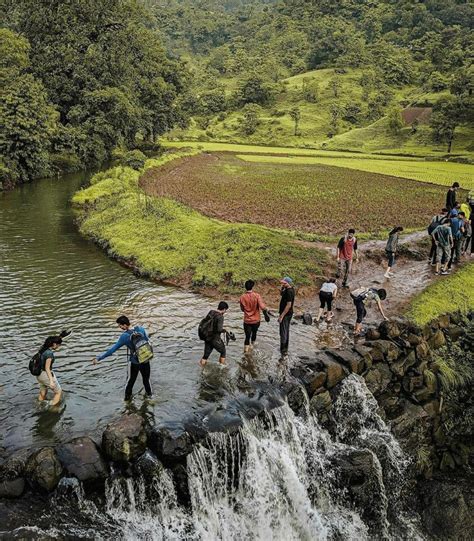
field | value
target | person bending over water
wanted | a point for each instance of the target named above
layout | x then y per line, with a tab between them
362	297
47	379
125	339
251	304
210	330
327	295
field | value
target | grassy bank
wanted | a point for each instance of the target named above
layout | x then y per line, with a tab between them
446	295
169	241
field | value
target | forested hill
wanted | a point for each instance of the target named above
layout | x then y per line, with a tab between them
83	81
250	59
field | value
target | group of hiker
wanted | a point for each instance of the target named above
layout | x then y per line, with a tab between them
451	236
451	232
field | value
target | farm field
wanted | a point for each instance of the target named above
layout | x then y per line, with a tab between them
444	173
315	198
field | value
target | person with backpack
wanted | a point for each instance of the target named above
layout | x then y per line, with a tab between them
451	196
46	377
327	295
287	301
346	251
139	354
210	330
457	229
443	238
467	237
435	221
362	297
251	304
391	249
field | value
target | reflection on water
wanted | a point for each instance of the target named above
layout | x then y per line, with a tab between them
51	278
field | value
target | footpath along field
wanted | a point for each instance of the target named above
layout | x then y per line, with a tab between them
318	198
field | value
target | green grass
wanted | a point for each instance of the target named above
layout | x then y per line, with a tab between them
444	173
448	294
168	240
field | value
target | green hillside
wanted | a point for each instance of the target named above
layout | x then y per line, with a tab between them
336	111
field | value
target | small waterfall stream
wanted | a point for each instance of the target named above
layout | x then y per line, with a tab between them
277	478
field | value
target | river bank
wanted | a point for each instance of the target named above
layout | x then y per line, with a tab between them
164	474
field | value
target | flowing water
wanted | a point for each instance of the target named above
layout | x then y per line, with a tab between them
51	278
278	478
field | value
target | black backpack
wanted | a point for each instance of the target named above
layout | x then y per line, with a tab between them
433	225
36	364
206	329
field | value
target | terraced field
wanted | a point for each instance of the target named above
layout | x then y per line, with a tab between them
314	198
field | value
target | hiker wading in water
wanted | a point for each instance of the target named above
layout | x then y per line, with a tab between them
47	379
251	304
135	366
391	249
287	301
210	330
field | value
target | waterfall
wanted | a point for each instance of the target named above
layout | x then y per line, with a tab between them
278	478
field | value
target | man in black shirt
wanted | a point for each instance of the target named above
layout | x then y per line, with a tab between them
286	312
213	339
451	196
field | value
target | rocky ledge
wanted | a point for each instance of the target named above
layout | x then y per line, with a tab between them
403	365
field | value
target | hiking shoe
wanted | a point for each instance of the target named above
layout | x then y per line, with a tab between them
437	273
387	275
445	272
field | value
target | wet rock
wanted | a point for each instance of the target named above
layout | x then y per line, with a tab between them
359	472
124	439
378	379
443	321
181	483
414	339
307	319
423	351
12	488
389	329
372	334
410	383
296	399
318	379
364	353
353	362
169	441
412	426
400	367
335	372
422	395
147	465
43	469
447	508
69	488
392	405
454	332
320	403
222	420
432	408
437	340
81	458
384	350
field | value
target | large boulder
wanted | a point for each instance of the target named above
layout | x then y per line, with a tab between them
352	361
335	372
124	439
296	398
148	465
320	403
81	458
12	488
389	329
384	350
400	367
378	379
360	474
170	441
412	427
447	506
43	469
437	340
12	474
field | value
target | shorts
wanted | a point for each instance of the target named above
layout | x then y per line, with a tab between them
215	343
360	309
443	253
326	298
43	381
390	258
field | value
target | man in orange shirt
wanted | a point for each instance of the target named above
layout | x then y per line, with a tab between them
251	304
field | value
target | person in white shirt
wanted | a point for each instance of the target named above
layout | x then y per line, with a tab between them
327	294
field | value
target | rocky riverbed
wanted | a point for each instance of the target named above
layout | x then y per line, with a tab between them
403	367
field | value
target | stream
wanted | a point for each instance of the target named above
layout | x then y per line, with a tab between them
51	278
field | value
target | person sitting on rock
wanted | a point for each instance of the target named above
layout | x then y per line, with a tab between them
125	339
210	330
363	296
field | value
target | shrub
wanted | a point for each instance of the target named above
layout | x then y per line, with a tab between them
134	159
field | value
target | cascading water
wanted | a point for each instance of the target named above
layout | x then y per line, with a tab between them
277	478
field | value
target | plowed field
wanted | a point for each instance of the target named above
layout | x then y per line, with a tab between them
311	198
